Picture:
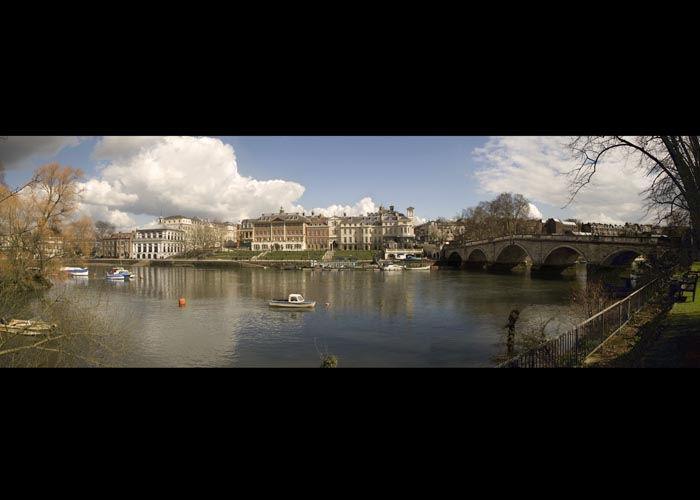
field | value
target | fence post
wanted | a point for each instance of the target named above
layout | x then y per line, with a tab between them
629	314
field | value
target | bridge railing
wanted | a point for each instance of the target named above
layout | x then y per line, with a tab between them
654	239
571	348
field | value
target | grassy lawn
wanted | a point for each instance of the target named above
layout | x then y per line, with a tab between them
235	254
687	311
358	254
653	339
304	255
678	345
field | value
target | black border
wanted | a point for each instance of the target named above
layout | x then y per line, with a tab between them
503	101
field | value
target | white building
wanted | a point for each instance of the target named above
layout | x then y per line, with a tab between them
376	230
159	242
201	233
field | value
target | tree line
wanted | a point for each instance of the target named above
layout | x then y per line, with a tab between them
505	215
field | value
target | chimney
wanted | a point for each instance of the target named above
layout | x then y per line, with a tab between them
391	207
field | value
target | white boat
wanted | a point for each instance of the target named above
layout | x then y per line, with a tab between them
392	267
118	273
76	271
422	268
294	300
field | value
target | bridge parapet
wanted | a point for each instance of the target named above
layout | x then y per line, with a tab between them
646	240
555	250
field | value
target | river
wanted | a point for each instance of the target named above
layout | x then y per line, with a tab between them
365	318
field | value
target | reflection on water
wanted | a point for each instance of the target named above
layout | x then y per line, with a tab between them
365	318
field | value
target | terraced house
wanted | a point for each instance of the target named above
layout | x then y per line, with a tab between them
280	231
384	229
119	246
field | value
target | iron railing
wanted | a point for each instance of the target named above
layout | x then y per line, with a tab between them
570	348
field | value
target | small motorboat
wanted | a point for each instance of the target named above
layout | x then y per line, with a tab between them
76	271
392	267
118	273
294	300
421	268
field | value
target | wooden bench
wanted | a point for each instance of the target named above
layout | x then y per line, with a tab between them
688	284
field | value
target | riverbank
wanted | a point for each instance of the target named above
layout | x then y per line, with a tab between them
658	337
228	263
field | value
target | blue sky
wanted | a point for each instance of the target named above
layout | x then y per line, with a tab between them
428	173
131	180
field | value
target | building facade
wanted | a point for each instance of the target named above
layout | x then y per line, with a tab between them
118	246
201	234
318	233
280	232
440	231
294	231
245	233
556	226
374	231
158	243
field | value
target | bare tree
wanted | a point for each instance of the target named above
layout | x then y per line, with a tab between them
79	237
510	208
203	236
672	162
104	229
498	217
52	199
32	219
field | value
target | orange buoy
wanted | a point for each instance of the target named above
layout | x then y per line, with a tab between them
181	302
328	304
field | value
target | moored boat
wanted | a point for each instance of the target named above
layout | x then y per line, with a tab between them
76	271
118	273
392	267
294	300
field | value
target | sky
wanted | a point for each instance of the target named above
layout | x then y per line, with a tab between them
131	180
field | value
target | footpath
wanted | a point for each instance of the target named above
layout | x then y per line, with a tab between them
668	339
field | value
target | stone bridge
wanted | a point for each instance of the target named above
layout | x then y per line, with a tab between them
551	254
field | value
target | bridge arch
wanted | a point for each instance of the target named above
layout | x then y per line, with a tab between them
477	255
454	260
622	257
513	254
564	255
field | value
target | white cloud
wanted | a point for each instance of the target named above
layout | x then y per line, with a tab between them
193	176
537	167
16	148
121	220
535	212
362	207
181	175
97	192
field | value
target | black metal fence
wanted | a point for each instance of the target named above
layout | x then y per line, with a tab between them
570	348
